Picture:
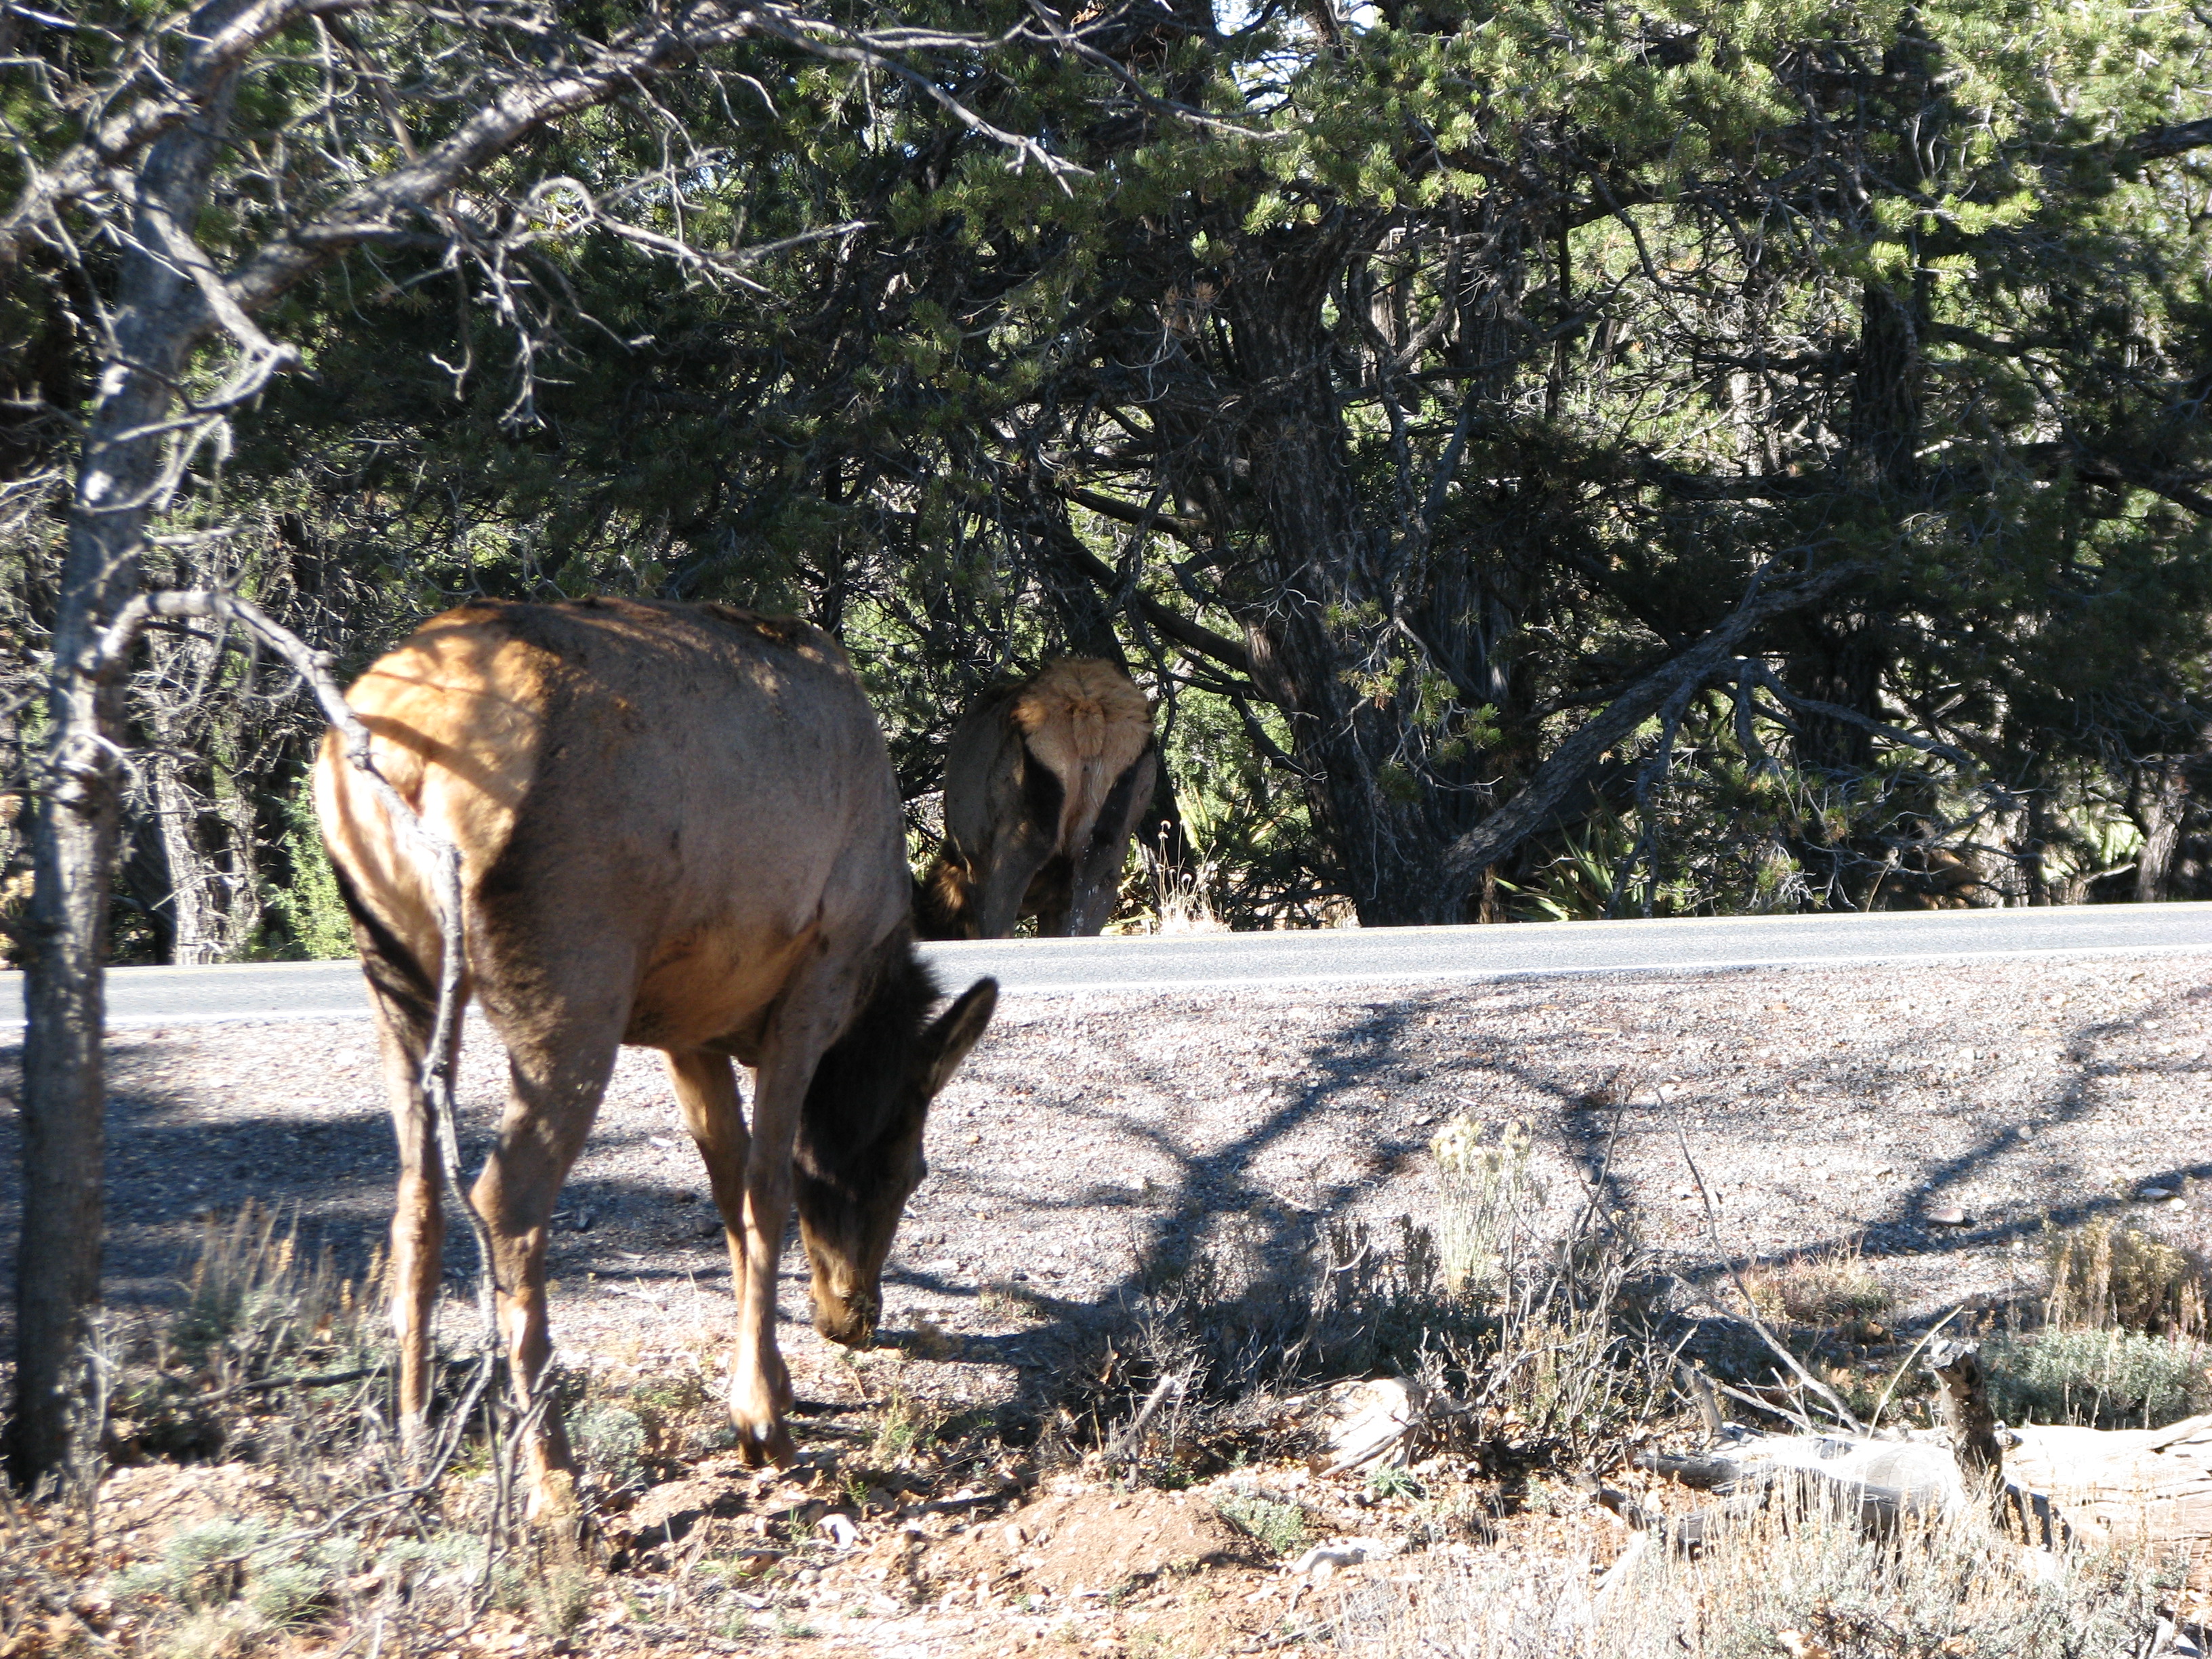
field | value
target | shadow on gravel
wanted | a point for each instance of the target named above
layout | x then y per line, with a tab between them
1426	1050
1909	1229
333	1171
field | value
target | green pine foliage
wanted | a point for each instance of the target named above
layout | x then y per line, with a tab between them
1387	398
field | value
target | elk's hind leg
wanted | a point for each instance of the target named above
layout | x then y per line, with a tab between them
557	1069
706	1093
403	1023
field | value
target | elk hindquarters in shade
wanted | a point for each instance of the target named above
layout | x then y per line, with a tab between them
1044	781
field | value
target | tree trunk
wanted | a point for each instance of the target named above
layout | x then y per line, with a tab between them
242	905
1323	556
194	926
2165	803
202	822
159	319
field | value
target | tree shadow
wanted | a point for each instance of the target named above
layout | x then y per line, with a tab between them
1158	1185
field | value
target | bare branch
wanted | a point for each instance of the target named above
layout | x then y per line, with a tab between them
2158	142
1835	711
438	858
1520	817
85	167
826	40
1191	636
1827	1394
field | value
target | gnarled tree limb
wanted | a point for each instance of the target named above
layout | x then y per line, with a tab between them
1573	760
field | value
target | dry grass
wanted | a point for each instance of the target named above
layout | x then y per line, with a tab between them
1834	1288
1537	1351
1814	1587
1487	1190
2108	1275
273	1361
256	1305
1183	899
1543	1352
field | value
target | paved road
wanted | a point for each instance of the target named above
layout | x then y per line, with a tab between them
311	990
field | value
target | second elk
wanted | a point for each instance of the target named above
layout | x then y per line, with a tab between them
1044	781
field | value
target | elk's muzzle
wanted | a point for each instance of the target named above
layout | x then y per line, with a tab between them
847	1304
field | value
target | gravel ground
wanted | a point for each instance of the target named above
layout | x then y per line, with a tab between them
1823	1107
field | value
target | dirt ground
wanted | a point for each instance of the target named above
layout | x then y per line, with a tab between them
1934	1117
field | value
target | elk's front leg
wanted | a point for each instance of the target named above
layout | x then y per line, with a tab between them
760	1388
707	1094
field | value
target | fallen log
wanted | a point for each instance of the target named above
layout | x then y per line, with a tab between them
2148	1489
1878	1482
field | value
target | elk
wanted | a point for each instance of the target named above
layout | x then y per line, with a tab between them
1044	781
679	828
1930	878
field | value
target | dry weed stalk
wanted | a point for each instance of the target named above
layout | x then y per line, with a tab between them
2108	1275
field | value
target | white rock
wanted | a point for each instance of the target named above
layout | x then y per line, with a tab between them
1323	1559
1369	1423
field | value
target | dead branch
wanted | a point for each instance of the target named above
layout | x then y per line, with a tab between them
1828	1395
438	857
165	101
1835	711
1964	1403
1567	765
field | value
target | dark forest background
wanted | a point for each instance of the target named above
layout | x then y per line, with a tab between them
1387	391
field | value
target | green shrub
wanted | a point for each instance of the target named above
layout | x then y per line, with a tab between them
311	919
201	1567
1393	1480
288	1593
2104	1379
611	1439
237	1581
459	1554
558	1599
1281	1527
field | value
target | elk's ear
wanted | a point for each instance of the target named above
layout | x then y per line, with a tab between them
954	1032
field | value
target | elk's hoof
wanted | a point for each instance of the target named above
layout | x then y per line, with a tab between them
762	1445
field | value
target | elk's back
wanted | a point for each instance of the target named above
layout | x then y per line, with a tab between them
671	803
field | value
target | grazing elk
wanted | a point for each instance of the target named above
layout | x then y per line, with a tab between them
1932	879
1045	781
679	828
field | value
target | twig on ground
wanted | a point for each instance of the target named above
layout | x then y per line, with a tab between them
1933	1332
1827	1394
263	1384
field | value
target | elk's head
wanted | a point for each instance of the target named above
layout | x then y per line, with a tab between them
860	1147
